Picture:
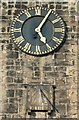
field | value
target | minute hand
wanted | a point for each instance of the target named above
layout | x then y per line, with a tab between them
43	21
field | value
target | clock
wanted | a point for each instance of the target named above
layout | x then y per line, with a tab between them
37	30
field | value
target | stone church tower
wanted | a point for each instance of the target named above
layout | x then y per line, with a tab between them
26	81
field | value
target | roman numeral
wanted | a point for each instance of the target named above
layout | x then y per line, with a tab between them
19	39
37	11
56	20
20	20
38	49
17	30
58	29
56	40
27	47
28	14
48	46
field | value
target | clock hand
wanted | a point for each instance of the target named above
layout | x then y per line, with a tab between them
43	21
43	39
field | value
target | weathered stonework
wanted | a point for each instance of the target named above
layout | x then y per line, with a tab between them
18	68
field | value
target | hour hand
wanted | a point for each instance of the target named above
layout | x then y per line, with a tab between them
42	38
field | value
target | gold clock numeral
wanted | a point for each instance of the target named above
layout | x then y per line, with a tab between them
28	14
17	30
56	40
37	11
38	49
27	47
58	29
20	20
56	20
20	40
48	46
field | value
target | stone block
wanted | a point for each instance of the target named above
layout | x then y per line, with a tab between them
10	62
18	80
58	6
19	93
13	100
63	94
12	108
10	93
11	73
9	79
62	109
37	73
47	68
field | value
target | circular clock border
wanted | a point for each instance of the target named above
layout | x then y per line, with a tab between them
37	54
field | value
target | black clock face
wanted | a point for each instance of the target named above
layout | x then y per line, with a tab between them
37	30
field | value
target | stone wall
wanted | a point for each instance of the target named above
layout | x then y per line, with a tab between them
18	68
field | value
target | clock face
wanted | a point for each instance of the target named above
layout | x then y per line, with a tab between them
37	30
